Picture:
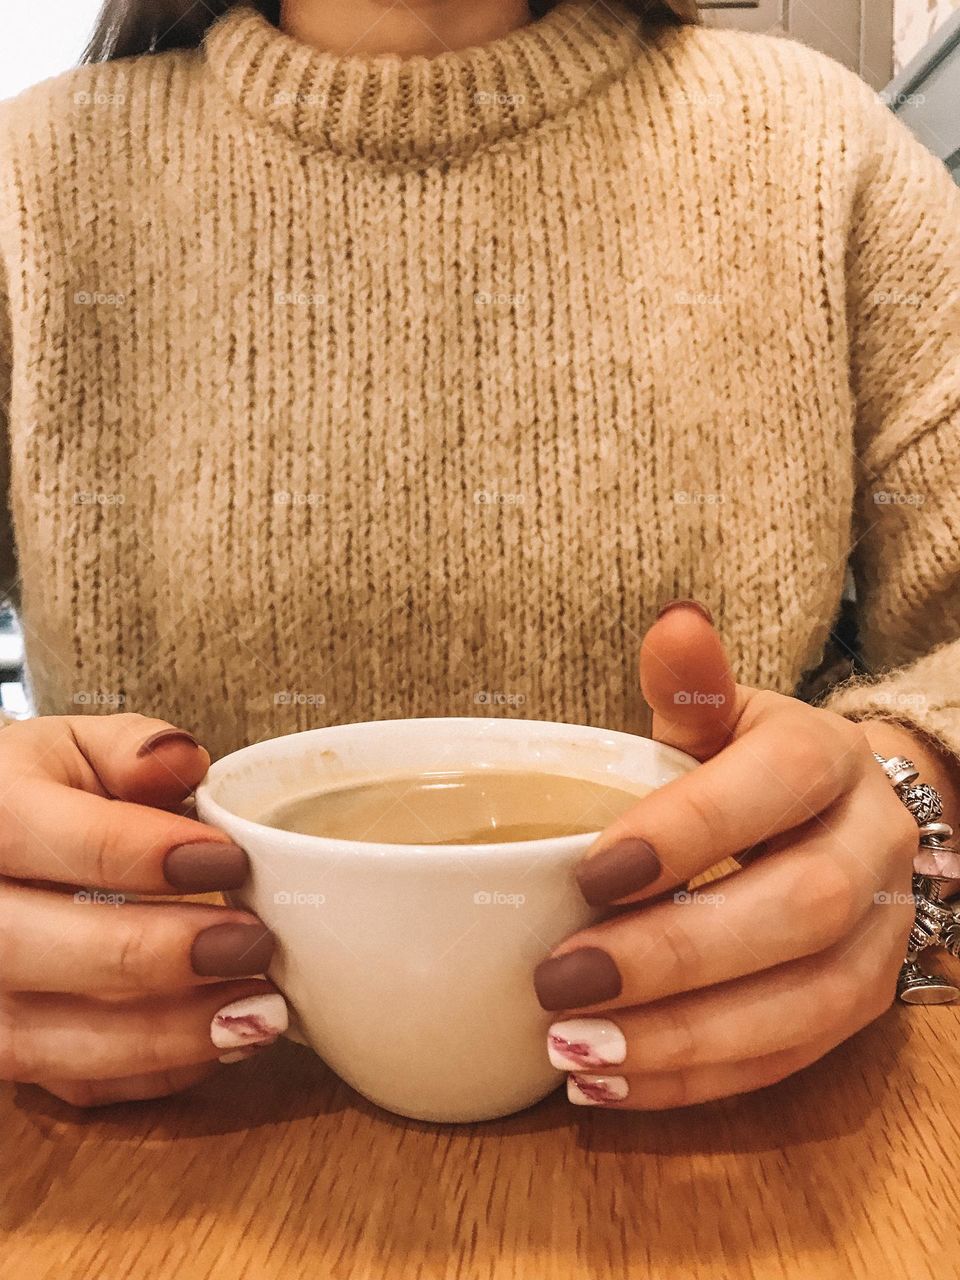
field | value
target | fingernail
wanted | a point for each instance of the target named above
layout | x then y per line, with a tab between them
585	1043
205	866
254	1021
167	735
596	1091
583	977
625	868
231	951
241	1055
685	604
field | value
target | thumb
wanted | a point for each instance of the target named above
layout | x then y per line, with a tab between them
686	678
137	759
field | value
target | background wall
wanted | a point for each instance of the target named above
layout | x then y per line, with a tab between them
40	38
915	21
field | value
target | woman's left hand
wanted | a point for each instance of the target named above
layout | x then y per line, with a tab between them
730	987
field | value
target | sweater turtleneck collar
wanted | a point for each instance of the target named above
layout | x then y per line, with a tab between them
403	110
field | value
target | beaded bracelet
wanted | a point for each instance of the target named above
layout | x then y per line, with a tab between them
937	923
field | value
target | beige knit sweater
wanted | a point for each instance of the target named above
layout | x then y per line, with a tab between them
345	388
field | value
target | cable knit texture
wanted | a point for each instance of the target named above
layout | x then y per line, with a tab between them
344	388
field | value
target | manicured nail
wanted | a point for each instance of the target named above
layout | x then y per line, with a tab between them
241	1055
205	866
585	1044
167	735
685	604
256	1020
231	951
625	868
596	1091
583	977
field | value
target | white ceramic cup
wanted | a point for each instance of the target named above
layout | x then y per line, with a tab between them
409	967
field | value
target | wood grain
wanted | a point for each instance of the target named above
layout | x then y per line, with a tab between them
276	1169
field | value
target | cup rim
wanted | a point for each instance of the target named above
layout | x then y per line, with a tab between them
307	844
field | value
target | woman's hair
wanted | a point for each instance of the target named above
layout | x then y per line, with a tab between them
128	27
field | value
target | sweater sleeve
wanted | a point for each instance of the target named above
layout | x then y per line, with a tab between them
903	292
7	557
8	571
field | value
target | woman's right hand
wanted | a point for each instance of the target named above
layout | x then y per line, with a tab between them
104	997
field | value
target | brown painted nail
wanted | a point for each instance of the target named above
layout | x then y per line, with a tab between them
625	868
686	604
206	866
231	951
165	736
584	977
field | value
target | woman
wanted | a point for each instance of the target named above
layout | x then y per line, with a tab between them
368	360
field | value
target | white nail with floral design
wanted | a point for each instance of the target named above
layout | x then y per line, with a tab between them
596	1091
256	1020
585	1044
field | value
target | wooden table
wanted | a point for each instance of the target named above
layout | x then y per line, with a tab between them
274	1169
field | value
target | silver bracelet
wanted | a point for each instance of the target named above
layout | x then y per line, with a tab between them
937	923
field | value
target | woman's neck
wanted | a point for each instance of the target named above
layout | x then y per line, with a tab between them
407	27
